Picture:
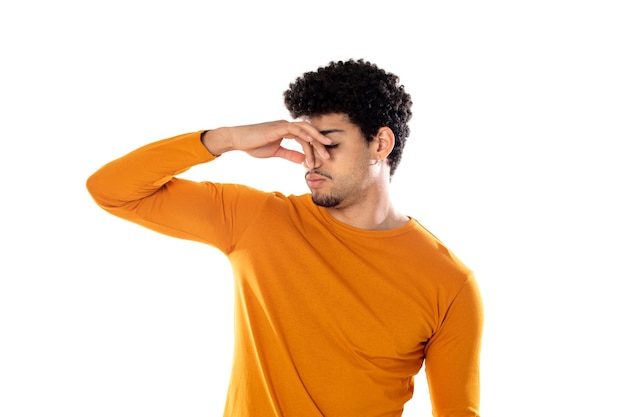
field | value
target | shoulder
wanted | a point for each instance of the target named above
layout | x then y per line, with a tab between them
272	204
435	258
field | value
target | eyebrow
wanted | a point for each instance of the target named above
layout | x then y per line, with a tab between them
327	131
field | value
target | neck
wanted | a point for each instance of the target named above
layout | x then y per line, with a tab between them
373	212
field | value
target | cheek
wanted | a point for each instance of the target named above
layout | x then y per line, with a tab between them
359	173
352	165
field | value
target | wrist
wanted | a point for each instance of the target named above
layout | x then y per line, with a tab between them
216	141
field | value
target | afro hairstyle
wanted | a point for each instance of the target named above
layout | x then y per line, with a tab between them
371	98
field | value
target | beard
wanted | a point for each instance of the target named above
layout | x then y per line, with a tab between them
323	200
326	200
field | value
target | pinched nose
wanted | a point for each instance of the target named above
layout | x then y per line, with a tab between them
315	163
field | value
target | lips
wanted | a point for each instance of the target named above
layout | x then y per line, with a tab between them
315	180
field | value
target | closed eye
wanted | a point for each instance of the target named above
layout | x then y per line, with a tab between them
333	146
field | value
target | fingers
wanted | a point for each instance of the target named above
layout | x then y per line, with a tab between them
312	141
309	155
291	155
264	140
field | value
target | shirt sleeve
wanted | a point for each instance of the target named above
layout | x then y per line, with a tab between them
453	356
141	187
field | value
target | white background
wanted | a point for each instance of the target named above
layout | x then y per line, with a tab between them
515	161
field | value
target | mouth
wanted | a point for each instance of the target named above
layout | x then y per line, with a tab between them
316	179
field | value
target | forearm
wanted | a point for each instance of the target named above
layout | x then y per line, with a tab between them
144	171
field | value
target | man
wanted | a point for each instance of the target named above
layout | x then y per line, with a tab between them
340	298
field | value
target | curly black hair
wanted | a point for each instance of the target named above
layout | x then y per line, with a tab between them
371	97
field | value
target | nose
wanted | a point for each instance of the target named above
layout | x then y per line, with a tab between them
316	160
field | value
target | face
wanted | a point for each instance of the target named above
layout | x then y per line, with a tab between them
344	178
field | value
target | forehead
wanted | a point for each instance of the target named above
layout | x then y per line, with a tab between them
332	121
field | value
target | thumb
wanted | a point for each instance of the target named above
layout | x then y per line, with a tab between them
290	155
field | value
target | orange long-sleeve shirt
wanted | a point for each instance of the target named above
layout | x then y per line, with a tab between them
330	320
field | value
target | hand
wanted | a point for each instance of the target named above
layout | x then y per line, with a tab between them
264	140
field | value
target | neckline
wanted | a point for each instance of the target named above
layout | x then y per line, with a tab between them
346	228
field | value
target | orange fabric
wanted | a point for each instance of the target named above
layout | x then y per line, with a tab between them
330	320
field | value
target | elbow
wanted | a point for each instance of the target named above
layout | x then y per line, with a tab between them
99	189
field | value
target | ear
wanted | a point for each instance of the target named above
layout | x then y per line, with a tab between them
383	143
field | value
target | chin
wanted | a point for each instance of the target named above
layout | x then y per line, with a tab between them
327	201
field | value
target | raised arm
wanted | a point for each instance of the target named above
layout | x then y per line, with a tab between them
141	186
